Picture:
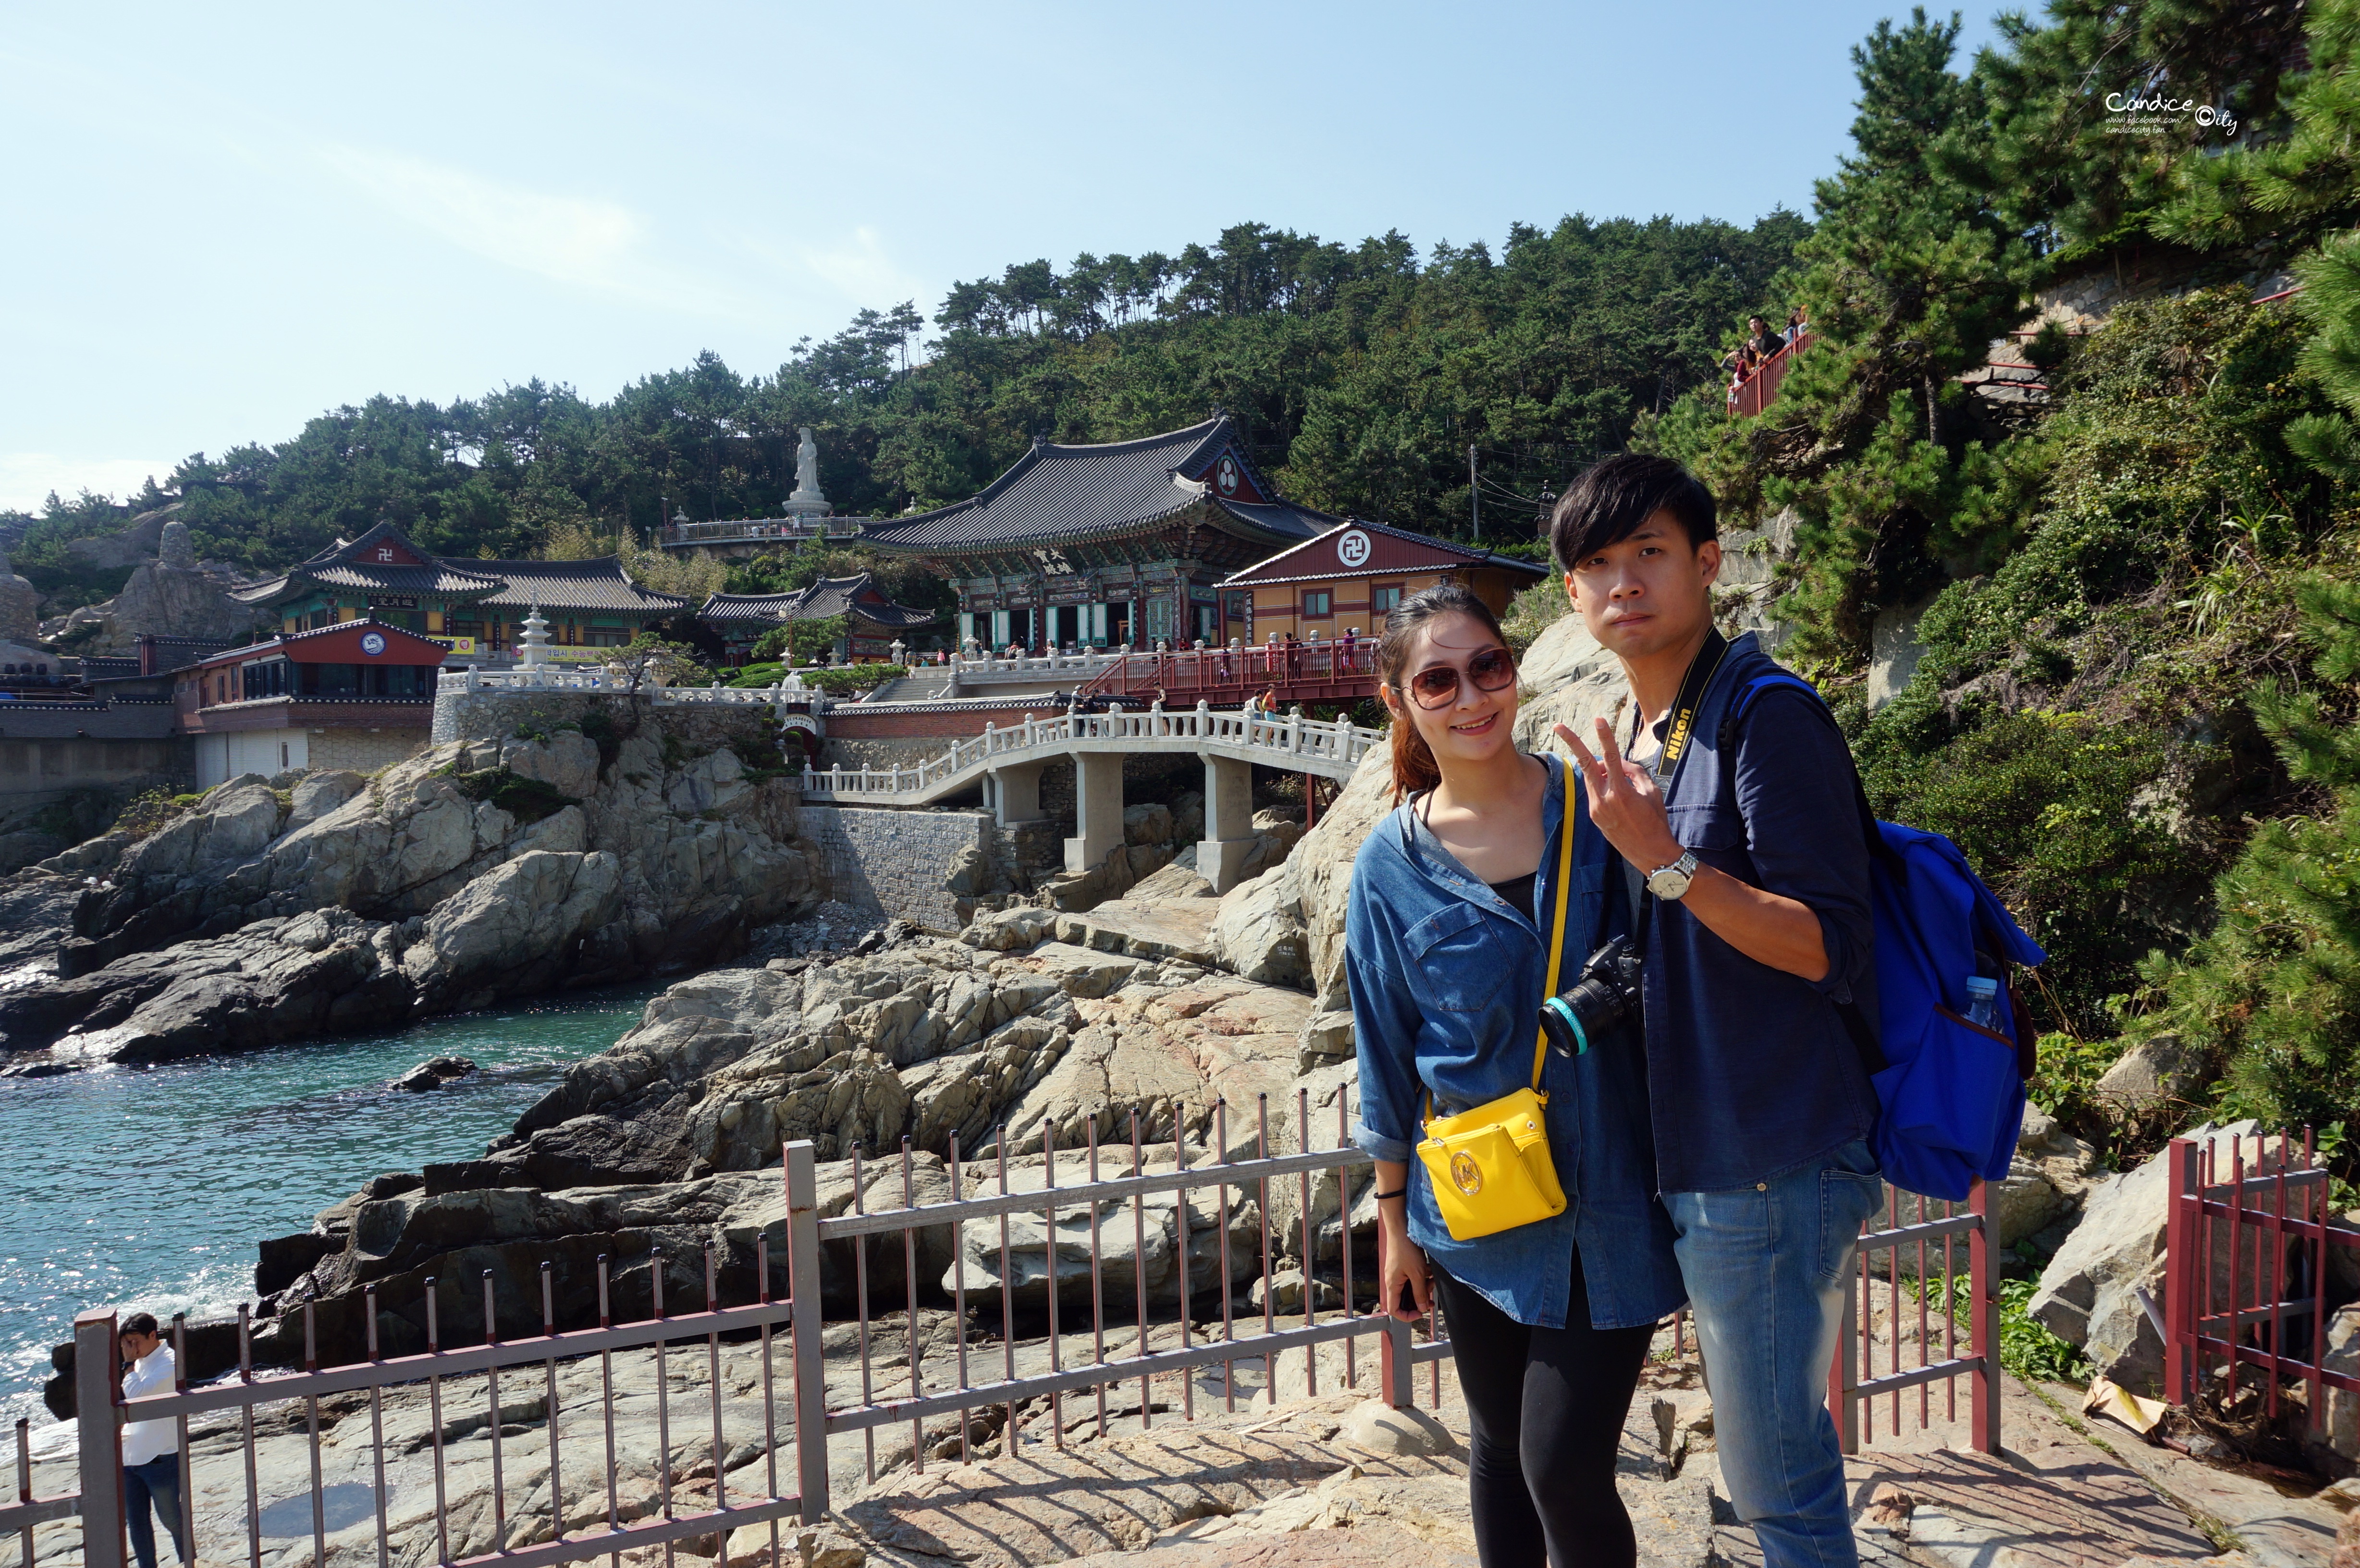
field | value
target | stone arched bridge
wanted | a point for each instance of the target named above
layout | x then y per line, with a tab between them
1008	765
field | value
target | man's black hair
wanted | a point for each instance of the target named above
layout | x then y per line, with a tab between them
1608	502
138	1323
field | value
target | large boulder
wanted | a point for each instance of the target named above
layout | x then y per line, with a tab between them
273	982
2051	1175
317	794
513	929
396	1243
1257	932
700	852
2159	1073
2343	1422
1130	1247
1314	885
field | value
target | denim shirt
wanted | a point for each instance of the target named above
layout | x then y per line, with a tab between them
1446	980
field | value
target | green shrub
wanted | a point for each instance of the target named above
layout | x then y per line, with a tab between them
526	800
2043	806
841	679
2027	1347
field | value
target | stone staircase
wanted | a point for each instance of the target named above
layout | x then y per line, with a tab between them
924	685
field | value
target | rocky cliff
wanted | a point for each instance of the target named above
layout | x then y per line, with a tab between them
474	871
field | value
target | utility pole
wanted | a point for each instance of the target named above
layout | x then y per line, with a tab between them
1474	496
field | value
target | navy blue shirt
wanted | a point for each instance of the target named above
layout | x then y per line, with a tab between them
1750	1069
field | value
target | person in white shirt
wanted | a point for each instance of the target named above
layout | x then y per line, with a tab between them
151	1448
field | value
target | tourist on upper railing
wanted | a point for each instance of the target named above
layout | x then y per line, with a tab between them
1760	341
1797	325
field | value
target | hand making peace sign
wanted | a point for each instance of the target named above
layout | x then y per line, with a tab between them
1625	801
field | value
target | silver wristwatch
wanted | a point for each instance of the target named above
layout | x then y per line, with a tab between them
1671	882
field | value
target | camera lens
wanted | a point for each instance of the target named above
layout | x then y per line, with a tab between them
1605	996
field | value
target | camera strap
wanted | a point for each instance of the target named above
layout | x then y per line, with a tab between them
1678	739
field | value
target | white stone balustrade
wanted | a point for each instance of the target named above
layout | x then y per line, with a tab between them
990	670
1332	748
529	681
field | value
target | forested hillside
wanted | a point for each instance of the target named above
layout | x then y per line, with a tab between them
2138	599
1361	374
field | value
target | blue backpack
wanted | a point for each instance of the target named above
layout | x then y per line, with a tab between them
1950	1094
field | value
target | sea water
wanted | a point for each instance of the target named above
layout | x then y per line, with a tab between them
145	1189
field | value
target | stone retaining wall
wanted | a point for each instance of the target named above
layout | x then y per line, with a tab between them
894	860
495	715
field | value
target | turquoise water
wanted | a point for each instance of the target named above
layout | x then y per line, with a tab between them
148	1188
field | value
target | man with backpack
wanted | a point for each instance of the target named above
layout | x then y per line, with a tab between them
1748	875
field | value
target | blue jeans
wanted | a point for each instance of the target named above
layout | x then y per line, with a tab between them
1766	1267
159	1479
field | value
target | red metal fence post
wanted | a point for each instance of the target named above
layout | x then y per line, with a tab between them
811	1373
2179	1274
1982	1284
96	1395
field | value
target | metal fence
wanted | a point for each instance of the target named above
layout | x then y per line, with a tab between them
1914	1244
1087	1192
2249	1274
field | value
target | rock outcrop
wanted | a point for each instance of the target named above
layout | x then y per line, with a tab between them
21	605
171	597
669	860
278	980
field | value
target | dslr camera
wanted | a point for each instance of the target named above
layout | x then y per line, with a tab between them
1602	997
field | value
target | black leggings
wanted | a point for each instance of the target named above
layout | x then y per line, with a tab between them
1544	1406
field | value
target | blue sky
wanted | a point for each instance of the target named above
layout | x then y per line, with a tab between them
224	220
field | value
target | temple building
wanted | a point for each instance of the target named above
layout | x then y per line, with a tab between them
873	624
357	694
473	609
1350	578
1123	544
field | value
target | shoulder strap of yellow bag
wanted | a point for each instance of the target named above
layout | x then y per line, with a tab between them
1556	945
1556	936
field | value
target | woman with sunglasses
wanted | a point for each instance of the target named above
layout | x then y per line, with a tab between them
1452	909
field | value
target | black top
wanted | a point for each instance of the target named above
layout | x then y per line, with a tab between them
1517	892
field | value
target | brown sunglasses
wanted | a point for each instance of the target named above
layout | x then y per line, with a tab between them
1437	685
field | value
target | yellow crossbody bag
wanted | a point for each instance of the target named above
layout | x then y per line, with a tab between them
1491	1167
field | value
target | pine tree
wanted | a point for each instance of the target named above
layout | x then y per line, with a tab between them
1906	278
2275	986
2330	298
2285	190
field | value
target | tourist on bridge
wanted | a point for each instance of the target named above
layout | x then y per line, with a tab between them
1762	343
1797	325
151	1448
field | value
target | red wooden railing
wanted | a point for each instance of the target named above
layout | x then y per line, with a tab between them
1759	390
2248	1277
1305	673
